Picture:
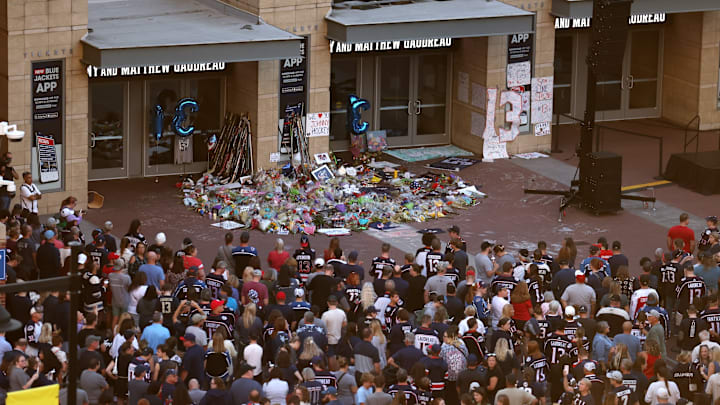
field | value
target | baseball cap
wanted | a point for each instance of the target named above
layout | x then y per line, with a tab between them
141	369
590	366
244	368
472	360
299	292
82	258
569	310
316	360
304	241
65	212
280	295
654	313
470	273
481	284
371	310
435	348
49	234
186	242
329	391
319	262
678	253
614	375
170	371
616	245
454	228
188	337
216	303
160	238
583	309
146	351
257	273
652	299
100	239
52	222
579	273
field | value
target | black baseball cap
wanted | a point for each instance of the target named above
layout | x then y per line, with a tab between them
454	229
712	218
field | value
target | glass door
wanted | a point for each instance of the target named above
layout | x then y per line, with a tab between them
107	141
431	99
631	91
395	108
643	85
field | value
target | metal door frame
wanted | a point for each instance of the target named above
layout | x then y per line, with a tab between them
111	173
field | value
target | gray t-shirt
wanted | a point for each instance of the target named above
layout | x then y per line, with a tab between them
437	283
119	283
506	258
200	335
345	383
197	395
136	389
579	294
379	398
483	264
93	383
81	396
18	378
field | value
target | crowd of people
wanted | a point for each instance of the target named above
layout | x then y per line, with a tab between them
159	326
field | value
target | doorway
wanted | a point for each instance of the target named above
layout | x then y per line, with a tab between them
633	91
411	96
107	158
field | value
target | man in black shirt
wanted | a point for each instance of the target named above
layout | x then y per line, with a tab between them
48	257
321	286
474	373
416	289
352	266
690	327
27	250
378	263
617	259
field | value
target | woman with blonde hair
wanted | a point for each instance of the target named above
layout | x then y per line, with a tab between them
278	255
379	341
218	361
247	275
249	324
506	357
614	289
621	353
310	349
367	295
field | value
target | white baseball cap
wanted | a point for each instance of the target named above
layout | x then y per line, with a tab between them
160	238
569	310
319	262
82	258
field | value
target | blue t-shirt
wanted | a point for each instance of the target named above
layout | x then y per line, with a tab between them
154	273
193	363
247	250
709	274
155	335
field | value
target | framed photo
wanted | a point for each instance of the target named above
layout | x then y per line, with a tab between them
322	173
322	158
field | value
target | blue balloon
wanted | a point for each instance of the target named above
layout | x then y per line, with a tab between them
180	116
158	122
357	105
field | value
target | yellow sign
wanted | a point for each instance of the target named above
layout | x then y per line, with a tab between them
35	396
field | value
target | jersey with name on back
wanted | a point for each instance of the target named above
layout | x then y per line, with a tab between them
305	258
378	264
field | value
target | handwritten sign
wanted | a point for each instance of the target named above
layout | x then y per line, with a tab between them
494	149
518	74
274	157
542	99
542	129
491	98
318	124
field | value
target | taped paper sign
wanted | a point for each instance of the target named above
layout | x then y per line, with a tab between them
542	129
463	87
518	74
477	123
317	124
512	116
489	131
479	95
274	157
494	149
542	99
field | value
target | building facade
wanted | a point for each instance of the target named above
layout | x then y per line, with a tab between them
95	84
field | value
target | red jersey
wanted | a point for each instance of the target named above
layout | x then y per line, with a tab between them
277	259
190	261
684	233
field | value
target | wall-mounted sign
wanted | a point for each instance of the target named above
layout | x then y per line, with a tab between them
293	94
430	43
562	23
93	71
47	159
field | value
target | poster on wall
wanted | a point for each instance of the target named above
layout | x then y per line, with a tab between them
542	129
494	149
292	94
47	99
518	74
317	124
47	159
542	99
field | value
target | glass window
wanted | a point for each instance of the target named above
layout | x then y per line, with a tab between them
207	121
163	96
343	83
562	83
106	125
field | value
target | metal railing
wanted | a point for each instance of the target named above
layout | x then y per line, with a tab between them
696	137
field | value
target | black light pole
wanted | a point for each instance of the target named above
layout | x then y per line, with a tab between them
72	283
